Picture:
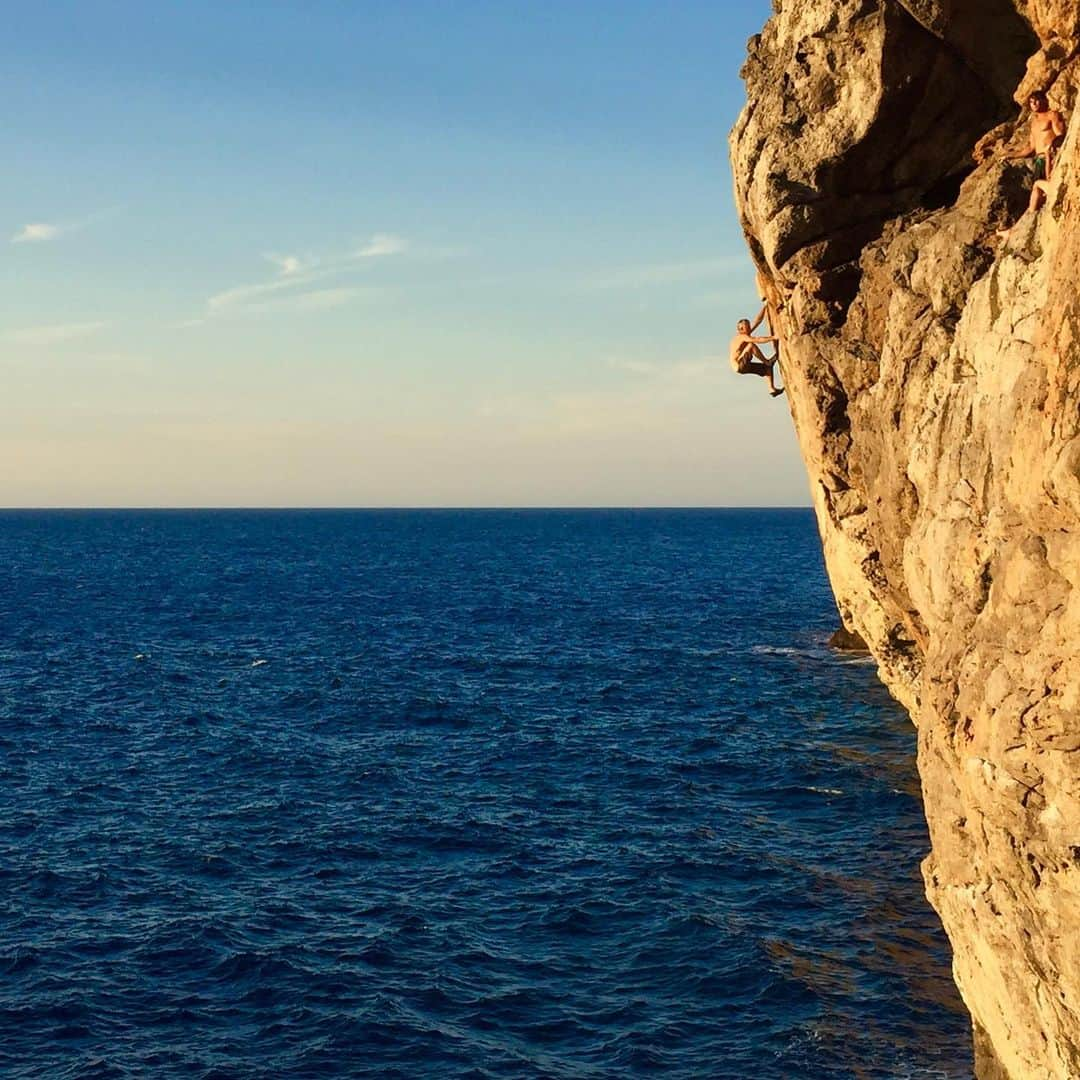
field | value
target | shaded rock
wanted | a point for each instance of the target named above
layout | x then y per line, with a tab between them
845	640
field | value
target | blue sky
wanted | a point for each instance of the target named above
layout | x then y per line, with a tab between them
351	253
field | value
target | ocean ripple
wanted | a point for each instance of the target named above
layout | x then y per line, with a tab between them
551	794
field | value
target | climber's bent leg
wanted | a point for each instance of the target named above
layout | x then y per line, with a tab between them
1038	194
752	368
764	366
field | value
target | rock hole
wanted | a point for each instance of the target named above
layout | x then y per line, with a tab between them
945	191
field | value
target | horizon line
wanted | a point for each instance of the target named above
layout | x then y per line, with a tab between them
402	508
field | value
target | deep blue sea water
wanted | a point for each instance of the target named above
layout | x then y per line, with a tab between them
489	794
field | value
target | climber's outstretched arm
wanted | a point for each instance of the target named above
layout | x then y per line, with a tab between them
1026	153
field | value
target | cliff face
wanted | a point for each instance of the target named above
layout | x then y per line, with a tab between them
933	376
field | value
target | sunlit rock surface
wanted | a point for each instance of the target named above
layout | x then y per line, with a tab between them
934	379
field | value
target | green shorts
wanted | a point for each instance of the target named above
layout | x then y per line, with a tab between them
1040	167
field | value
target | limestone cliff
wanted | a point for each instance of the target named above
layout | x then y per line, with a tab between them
934	380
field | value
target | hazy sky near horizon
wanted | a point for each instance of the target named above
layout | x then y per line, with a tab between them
363	254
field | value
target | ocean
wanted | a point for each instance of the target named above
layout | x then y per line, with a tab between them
574	794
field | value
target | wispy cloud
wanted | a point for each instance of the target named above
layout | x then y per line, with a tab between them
647	275
296	273
382	244
288	265
37	233
293	272
313	299
54	335
252	295
40	232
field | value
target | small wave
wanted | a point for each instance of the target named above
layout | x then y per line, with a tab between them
786	650
19	960
818	654
259	663
257	806
856	659
378	955
254	965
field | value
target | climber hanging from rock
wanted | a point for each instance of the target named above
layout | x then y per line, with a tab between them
1045	138
746	355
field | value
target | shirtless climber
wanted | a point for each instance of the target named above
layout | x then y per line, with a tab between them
746	356
1047	135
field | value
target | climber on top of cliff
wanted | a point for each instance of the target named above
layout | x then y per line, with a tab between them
746	356
1045	138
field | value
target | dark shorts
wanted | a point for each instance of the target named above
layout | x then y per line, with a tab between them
1040	167
754	368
